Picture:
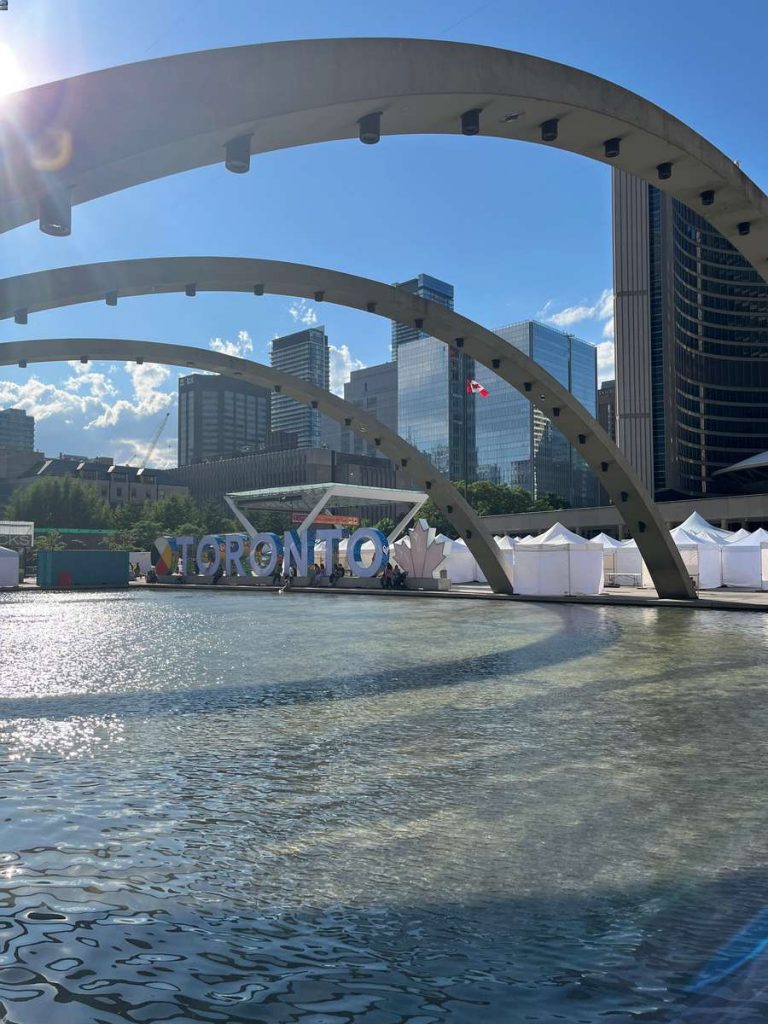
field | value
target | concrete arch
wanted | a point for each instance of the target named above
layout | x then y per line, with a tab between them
68	285
442	491
95	134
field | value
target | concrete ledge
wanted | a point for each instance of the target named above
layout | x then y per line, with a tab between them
300	583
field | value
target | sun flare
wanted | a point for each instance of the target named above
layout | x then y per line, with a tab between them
12	78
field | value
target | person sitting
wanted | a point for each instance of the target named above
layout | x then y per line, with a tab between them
289	575
337	572
217	574
277	572
399	578
387	577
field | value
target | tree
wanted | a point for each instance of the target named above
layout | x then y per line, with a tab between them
62	502
386	525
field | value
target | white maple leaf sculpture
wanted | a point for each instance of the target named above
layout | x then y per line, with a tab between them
420	554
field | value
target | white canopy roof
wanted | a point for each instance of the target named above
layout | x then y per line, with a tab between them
739	535
751	539
559	534
697	525
683	538
606	541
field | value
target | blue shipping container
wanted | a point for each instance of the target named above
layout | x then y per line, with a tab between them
67	569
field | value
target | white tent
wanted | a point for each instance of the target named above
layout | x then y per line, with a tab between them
609	546
702	558
558	562
630	569
697	526
739	535
460	563
745	562
9	568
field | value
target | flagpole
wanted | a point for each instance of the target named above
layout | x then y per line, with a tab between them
466	435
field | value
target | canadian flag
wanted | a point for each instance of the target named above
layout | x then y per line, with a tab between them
474	387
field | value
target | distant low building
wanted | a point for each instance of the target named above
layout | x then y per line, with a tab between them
117	485
210	481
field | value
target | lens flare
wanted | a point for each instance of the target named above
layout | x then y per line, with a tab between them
12	78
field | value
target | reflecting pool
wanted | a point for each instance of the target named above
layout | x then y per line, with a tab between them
331	809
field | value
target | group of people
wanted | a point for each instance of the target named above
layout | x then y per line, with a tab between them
393	577
281	577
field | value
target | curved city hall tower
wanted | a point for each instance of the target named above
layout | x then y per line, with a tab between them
691	343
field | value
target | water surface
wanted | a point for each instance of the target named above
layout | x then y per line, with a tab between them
299	808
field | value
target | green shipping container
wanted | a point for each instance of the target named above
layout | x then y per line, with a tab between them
66	569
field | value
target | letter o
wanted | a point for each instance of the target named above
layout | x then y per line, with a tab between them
355	550
273	542
208	568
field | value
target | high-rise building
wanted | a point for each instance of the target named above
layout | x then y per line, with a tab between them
434	412
305	355
425	287
17	429
691	343
220	417
374	389
606	407
516	443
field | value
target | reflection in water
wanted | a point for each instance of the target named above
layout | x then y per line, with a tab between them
240	808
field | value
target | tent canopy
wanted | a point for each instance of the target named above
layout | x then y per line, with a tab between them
751	539
697	525
559	534
606	541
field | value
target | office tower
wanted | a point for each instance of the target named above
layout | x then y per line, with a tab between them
304	355
425	287
220	417
374	389
606	407
691	343
434	412
516	443
17	429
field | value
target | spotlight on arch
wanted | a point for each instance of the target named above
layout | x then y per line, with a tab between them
549	130
743	227
470	122
708	197
612	148
56	213
370	128
664	171
238	154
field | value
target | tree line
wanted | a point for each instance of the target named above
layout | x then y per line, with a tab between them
67	503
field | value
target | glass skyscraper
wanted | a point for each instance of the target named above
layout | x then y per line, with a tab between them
305	355
434	412
691	343
516	443
425	287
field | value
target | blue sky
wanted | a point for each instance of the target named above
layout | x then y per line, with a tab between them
519	230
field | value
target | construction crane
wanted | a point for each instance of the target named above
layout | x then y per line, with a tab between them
153	444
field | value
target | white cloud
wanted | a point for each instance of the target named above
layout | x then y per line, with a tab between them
303	313
242	347
90	394
129	450
605	361
146	379
342	363
599	310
